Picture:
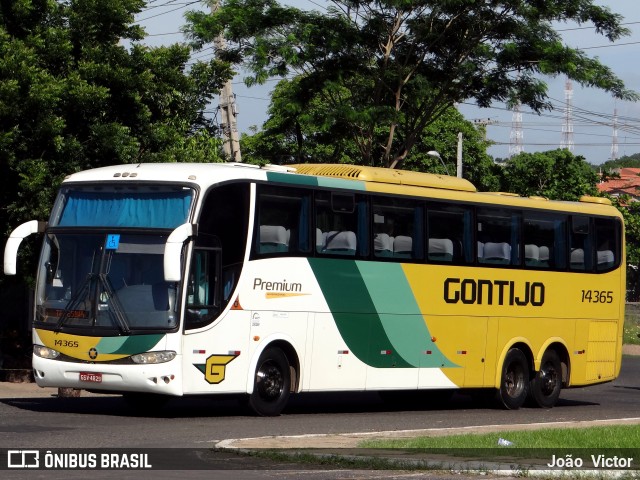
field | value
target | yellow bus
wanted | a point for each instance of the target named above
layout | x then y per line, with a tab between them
160	280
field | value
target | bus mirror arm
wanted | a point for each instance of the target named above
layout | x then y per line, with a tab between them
173	251
14	241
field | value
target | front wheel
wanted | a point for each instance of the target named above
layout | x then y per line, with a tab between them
547	382
272	383
514	383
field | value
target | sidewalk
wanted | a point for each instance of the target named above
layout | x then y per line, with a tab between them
32	390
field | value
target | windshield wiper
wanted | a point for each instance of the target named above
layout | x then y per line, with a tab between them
74	301
83	292
118	311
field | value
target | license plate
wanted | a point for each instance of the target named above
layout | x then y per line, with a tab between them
91	377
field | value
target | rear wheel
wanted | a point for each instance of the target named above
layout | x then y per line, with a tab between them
272	383
514	383
547	382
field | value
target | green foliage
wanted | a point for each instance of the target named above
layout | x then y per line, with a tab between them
78	92
556	174
297	133
442	136
627	161
631	324
386	70
631	214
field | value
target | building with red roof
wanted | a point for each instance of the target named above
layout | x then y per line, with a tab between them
627	184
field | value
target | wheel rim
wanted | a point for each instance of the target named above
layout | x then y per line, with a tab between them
270	381
548	379
514	381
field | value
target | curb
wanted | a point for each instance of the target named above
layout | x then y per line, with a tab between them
328	447
352	440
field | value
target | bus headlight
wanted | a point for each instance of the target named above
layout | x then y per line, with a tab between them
45	352
154	357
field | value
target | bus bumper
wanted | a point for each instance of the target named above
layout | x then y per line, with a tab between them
162	378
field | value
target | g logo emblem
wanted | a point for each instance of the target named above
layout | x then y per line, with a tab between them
216	368
93	353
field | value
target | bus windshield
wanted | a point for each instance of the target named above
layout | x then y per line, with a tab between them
106	281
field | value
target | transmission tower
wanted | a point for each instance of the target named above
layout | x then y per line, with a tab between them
567	126
614	137
228	108
516	135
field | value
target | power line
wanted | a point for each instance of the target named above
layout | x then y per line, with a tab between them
168	11
590	27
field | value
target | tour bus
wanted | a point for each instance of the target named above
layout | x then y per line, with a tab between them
160	280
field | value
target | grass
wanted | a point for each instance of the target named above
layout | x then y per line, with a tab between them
618	436
631	327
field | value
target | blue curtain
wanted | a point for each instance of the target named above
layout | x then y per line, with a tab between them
167	209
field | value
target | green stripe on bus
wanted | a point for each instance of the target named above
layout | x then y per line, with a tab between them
355	313
309	180
405	327
292	179
128	345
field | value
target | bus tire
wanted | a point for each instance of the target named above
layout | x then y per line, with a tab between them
514	381
547	382
272	383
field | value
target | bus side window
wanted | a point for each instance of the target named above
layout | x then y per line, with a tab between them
341	224
450	234
607	231
580	248
282	221
499	233
398	226
544	240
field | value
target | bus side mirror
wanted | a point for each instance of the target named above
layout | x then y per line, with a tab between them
14	241
173	251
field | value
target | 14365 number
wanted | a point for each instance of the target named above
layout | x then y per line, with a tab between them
597	296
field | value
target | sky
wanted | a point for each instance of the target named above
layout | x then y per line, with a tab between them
596	115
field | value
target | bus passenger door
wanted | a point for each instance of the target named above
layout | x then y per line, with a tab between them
215	348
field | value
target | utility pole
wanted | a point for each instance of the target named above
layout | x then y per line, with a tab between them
459	157
484	123
228	108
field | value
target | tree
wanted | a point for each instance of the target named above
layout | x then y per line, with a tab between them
442	136
627	161
73	96
631	213
297	133
294	133
556	174
397	66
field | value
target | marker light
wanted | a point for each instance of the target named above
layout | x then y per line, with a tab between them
45	352
154	357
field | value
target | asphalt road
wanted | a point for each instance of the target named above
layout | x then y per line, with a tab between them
199	423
